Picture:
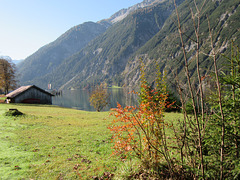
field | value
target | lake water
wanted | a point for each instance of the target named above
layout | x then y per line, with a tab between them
79	99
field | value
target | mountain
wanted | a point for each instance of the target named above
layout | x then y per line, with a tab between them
47	58
17	61
105	57
120	15
165	47
50	56
149	33
8	58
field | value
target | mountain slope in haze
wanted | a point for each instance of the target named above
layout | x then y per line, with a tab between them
106	57
50	56
11	60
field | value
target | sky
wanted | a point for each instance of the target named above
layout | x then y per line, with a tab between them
27	25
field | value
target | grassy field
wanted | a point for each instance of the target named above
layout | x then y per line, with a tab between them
50	142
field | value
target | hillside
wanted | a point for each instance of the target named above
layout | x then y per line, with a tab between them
105	57
165	47
149	33
50	56
47	58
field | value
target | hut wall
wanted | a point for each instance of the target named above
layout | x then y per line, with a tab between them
35	96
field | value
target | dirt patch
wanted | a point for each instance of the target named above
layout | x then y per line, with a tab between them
13	112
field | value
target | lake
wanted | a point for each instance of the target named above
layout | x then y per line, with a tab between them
79	99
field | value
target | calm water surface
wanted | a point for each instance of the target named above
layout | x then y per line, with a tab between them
79	99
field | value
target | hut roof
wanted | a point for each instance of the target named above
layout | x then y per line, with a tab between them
23	89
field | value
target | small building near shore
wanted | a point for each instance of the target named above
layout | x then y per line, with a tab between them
29	94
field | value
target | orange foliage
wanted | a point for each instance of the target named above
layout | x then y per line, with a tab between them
141	129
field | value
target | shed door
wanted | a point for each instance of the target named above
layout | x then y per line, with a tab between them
31	101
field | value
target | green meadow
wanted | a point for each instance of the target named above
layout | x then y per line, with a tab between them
50	142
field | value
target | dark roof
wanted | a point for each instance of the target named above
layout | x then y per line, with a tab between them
23	89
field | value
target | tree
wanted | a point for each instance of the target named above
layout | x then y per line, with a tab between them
230	83
209	134
7	76
99	97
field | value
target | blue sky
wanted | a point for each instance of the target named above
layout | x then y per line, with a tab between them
27	25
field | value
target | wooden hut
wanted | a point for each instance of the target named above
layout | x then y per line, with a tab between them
29	94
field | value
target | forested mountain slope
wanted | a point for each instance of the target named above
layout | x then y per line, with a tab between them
165	47
105	57
150	34
50	56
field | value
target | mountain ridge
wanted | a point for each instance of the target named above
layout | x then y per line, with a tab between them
121	14
149	33
116	46
67	44
51	55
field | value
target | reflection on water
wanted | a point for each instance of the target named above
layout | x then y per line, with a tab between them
79	99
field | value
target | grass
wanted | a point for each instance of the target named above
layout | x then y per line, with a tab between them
50	142
116	87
